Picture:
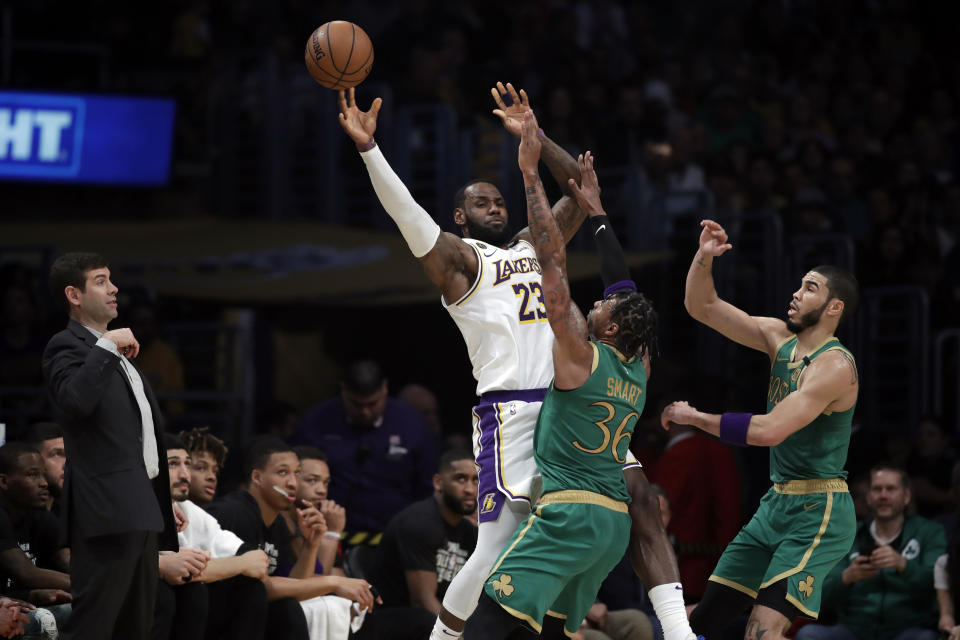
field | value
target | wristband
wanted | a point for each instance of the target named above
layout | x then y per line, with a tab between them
331	535
733	428
540	134
366	147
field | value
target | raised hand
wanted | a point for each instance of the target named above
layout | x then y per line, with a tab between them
334	514
713	239
588	194
127	345
528	156
359	125
511	115
312	524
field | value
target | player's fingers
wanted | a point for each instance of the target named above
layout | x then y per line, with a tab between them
342	100
500	114
524	100
513	93
353	97
375	107
496	97
588	161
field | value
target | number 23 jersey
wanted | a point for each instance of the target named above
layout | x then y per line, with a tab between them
504	321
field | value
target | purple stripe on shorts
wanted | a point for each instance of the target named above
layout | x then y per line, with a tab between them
490	499
524	395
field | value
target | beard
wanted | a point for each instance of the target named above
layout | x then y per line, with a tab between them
488	235
456	505
807	320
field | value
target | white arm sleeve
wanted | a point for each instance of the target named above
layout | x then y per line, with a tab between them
417	227
941	580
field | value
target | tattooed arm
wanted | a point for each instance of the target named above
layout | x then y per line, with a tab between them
563	167
572	353
704	305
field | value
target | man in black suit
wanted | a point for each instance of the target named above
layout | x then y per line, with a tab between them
116	495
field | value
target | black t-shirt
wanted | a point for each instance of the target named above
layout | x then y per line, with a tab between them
239	512
36	535
419	539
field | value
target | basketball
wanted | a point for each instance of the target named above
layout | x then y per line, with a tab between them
339	54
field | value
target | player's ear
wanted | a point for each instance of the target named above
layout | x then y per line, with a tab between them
835	307
255	478
436	482
459	217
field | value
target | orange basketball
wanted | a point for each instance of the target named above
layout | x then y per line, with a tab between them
339	54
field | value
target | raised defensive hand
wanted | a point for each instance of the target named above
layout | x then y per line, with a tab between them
359	125
713	239
510	107
679	412
528	156
587	195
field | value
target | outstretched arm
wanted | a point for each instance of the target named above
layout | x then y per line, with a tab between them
572	354
830	383
511	106
704	305
447	260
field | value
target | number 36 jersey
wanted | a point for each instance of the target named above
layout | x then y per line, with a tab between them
504	321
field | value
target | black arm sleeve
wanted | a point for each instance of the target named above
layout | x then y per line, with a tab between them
613	265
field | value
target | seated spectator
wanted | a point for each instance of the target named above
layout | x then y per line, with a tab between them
883	590
47	438
423	548
930	465
271	469
233	602
425	402
312	490
207	456
33	565
700	478
382	455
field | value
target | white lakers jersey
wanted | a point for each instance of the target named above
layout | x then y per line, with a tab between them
503	320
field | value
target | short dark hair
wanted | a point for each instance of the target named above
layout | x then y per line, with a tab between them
10	455
39	432
363	377
460	197
637	321
308	452
200	440
887	466
70	270
843	286
452	455
171	441
259	451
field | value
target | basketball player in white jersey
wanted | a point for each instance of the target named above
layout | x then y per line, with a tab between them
489	281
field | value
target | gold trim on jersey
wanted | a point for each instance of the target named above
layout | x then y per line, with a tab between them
793	352
781	343
816	540
596	357
811	485
573	496
476	283
734	585
526	242
554	614
807	612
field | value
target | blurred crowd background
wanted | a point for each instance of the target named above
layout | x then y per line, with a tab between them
814	130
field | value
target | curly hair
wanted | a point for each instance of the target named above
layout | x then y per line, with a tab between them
637	319
199	439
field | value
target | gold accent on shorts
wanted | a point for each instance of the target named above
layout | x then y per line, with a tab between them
799	605
811	485
573	496
734	585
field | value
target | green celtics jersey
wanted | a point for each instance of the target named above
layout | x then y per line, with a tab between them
819	450
583	435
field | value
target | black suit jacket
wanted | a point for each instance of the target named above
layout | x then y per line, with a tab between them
106	489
